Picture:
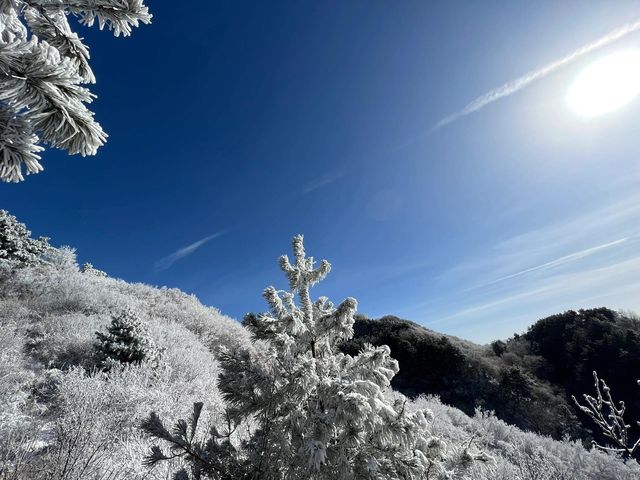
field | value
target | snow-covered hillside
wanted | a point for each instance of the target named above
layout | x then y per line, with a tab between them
61	417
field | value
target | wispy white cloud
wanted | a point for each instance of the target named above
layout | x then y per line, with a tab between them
588	259
572	257
585	287
551	242
323	180
514	86
491	305
169	260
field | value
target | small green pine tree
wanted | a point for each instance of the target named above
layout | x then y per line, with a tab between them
127	341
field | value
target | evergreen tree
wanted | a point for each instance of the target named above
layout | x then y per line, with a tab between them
42	66
319	413
16	244
127	341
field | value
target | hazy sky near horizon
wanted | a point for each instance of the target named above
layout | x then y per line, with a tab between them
236	125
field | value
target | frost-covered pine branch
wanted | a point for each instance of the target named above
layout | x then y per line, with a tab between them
317	413
43	64
216	457
608	415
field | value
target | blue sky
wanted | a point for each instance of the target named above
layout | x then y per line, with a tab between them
236	125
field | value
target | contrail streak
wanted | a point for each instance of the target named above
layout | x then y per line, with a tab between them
561	261
513	86
169	260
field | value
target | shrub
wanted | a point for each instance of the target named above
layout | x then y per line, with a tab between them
66	340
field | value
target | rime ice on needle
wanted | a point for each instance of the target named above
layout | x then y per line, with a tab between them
43	64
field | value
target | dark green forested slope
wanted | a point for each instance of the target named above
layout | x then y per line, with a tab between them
527	379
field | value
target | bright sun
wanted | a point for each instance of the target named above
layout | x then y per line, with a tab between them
606	85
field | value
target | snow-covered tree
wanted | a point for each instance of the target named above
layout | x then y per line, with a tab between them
16	244
127	341
318	413
89	269
43	64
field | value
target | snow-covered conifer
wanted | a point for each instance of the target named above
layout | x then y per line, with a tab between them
318	413
43	64
127	341
16	244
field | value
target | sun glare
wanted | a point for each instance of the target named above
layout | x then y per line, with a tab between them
606	85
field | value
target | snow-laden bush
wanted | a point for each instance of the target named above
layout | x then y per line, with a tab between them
89	426
64	341
520	455
49	313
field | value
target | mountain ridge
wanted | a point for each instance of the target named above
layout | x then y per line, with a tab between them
527	379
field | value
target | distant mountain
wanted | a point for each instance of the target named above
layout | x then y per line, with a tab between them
528	379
